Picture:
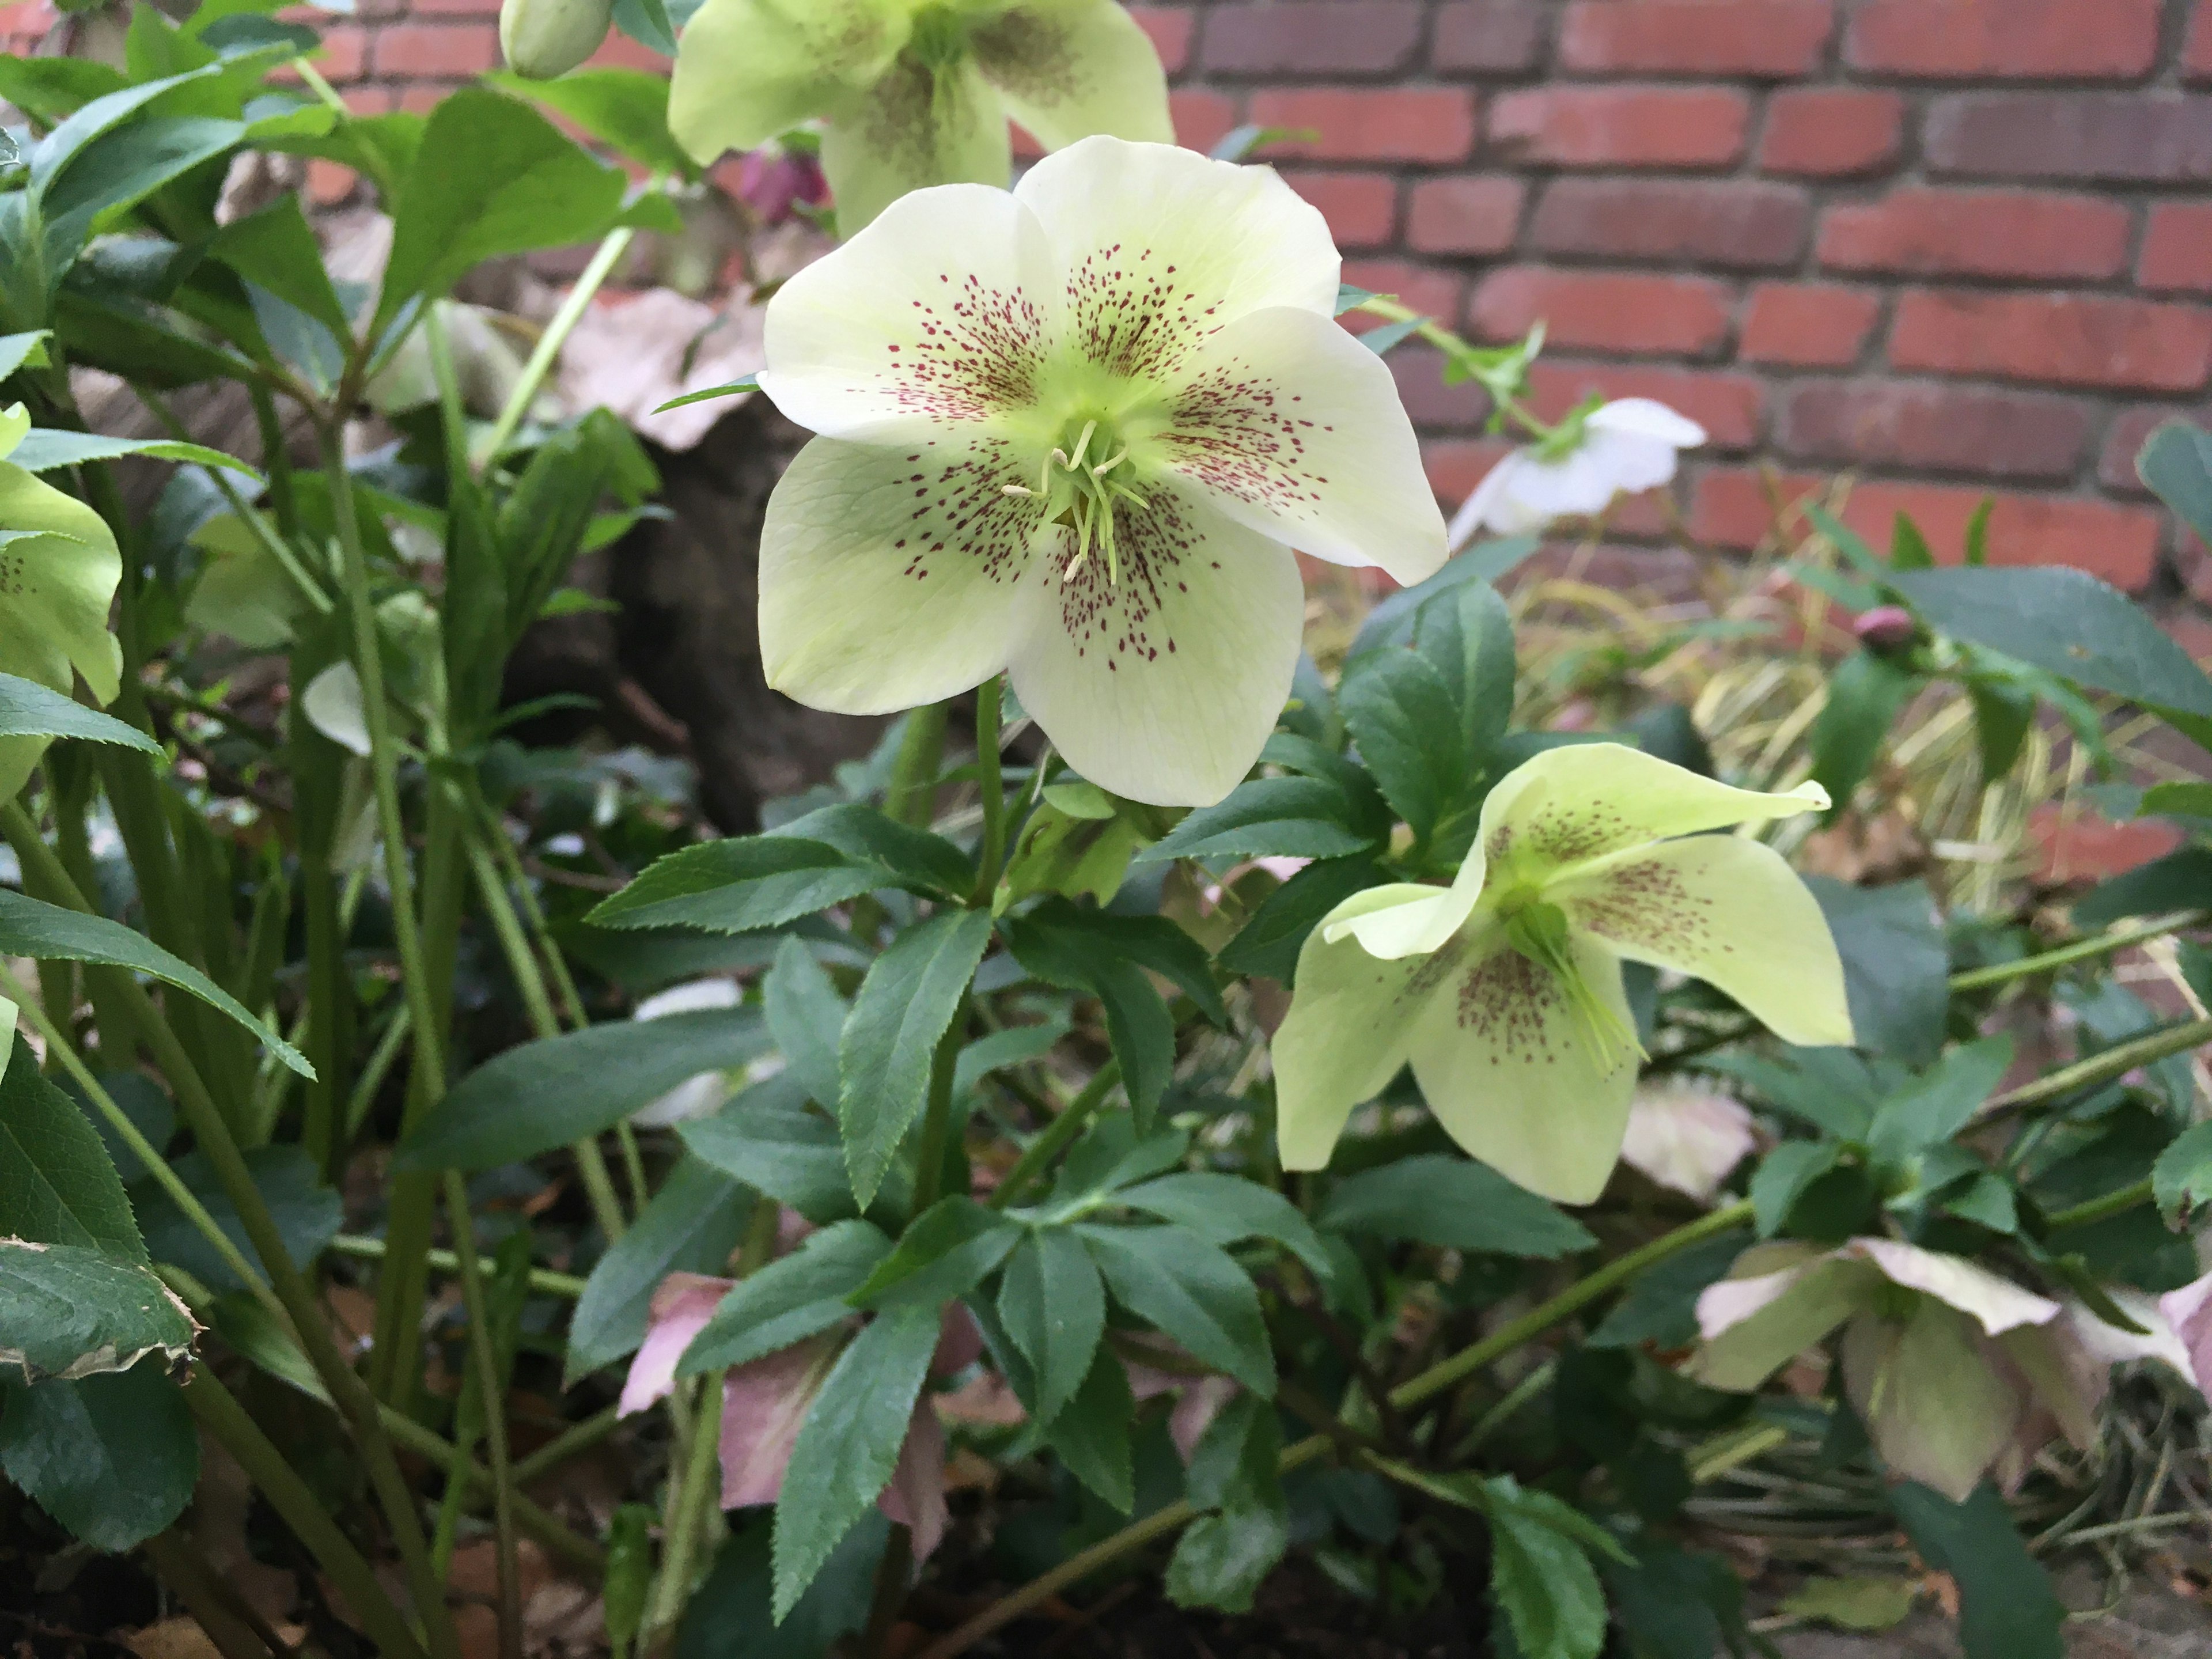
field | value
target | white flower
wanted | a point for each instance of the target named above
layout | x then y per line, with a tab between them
1687	1137
1626	446
1072	432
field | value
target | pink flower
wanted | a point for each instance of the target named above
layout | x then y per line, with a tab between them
1199	1399
2188	1311
773	180
1886	628
1688	1139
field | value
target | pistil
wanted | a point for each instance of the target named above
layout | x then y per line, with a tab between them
1079	496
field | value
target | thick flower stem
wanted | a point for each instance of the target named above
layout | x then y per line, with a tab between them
2100	1067
912	795
990	783
229	1623
1056	1135
687	1501
2080	950
2102	1209
1164	1523
543	1280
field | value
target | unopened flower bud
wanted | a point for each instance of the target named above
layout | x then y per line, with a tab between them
1887	627
541	39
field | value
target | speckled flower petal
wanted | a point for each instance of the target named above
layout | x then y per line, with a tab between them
938	315
891	577
1068	69
1727	911
748	69
1508	1067
1291	426
1349	1029
1572	804
914	128
1162	686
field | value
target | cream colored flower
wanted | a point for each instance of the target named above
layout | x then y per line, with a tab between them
1621	448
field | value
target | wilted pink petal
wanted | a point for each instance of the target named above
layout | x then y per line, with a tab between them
792	1229
1686	1138
763	1404
915	1496
681	1304
1194	1414
959	1343
1997	1303
772	180
2188	1312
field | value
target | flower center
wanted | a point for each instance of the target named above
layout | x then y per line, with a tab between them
1085	476
939	37
1538	931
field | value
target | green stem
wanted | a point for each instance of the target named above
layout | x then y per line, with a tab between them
543	1280
229	1426
2100	1067
912	795
533	1519
213	1604
686	1501
1163	1523
2100	1209
2080	949
494	1395
569	1443
1056	1135
937	1121
370	1083
611	251
991	782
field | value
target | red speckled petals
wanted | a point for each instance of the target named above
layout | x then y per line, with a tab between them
1729	912
889	577
1164	685
1506	1065
941	314
1290	425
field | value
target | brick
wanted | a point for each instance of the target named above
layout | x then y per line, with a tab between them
451	50
2070	339
1623	126
1361	208
1732	224
2197	55
618	50
1932	428
1202	119
2150	138
1727	405
1831	132
1732	508
2042	40
421	98
370	101
344	56
1313	37
1648	576
1404	123
2130	431
1477	214
1419	372
453	8
1170	28
1488	37
1979	233
1638	313
1456	465
1776	39
1807	325
2177	250
1431	292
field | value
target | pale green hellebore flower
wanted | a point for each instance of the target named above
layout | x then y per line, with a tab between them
1504	990
58	570
1073	431
914	93
1956	1372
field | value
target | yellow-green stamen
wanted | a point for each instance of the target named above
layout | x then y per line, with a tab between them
1538	932
1079	496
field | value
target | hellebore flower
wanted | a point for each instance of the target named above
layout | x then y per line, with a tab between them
1504	990
1618	449
1687	1138
59	569
912	92
1956	1372
1073	431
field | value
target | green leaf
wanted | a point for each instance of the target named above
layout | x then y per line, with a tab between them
307	1214
45	449
1268	818
920	862
1661	1307
2176	463
1908	548
276	249
1865	695
789	1300
1268	945
1896	965
524	186
693	1222
1053	1304
1192	1292
56	1185
1392	620
1941	1102
1438	1199
29	709
945	1253
2007	1609
1403	716
49	89
17	350
1831	1089
731	1616
1540	1577
48	933
122	168
625	108
906	1004
2004	713
806	1016
1783	1176
114	1459
1222	1558
2180	881
1089	1429
1111	1155
1229	1209
68	1311
735	388
2181	1180
1855	1603
769	1139
741	886
559	1090
141	1102
849	1447
1152	942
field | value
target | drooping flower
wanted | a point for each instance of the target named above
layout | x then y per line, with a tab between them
1619	448
1956	1372
912	92
58	570
1073	431
1688	1137
1504	990
2188	1311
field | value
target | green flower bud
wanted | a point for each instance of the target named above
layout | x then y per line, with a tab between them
542	38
